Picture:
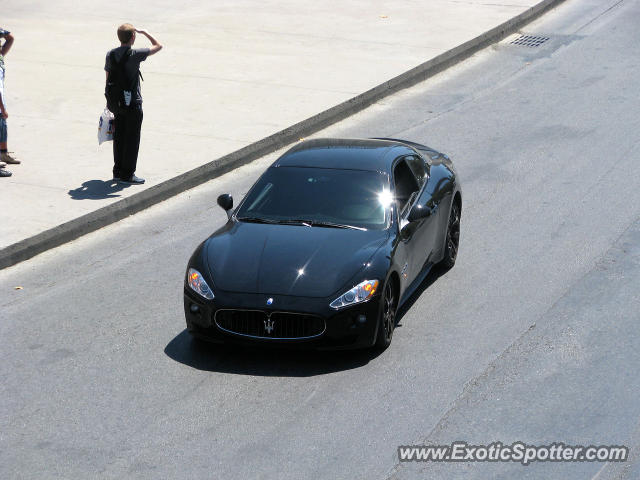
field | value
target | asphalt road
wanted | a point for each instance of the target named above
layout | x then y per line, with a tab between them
533	336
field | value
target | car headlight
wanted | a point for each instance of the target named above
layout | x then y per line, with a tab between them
358	294
198	285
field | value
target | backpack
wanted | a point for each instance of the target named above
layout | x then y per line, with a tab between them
118	91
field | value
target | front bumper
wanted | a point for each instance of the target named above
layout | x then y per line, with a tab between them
351	327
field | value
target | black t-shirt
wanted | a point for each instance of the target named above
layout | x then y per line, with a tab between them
131	67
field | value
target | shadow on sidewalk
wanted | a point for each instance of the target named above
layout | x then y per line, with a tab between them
97	190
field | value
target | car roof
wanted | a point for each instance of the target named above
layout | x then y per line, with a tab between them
347	154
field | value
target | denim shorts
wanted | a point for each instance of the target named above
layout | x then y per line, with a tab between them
3	130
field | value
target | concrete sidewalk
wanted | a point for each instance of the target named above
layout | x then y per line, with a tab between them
231	73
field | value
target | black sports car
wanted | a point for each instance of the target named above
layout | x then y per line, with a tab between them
326	245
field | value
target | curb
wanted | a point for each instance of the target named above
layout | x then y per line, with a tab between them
104	216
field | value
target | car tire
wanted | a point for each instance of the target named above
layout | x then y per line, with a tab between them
387	316
452	241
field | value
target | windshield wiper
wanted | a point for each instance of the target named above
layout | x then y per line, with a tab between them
256	220
318	223
274	221
299	221
295	221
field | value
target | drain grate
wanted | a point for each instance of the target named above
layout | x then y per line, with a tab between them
529	40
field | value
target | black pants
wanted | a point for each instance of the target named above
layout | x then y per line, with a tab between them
126	141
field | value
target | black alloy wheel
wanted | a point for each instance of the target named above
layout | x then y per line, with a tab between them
453	237
387	317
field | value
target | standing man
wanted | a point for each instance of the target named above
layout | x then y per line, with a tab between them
5	156
128	121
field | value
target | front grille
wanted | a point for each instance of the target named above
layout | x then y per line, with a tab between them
270	325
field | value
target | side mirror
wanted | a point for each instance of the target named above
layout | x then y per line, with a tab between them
226	203
418	212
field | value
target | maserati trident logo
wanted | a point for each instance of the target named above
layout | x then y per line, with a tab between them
268	325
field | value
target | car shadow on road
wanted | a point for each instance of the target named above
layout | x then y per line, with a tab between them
264	362
97	190
434	274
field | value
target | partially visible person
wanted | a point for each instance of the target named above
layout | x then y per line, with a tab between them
5	155
128	121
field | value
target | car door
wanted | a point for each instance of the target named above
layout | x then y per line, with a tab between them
426	227
407	190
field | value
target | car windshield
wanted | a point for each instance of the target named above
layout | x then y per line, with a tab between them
319	197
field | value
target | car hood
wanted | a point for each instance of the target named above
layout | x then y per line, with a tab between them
288	259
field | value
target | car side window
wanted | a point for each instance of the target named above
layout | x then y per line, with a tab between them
406	186
417	166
